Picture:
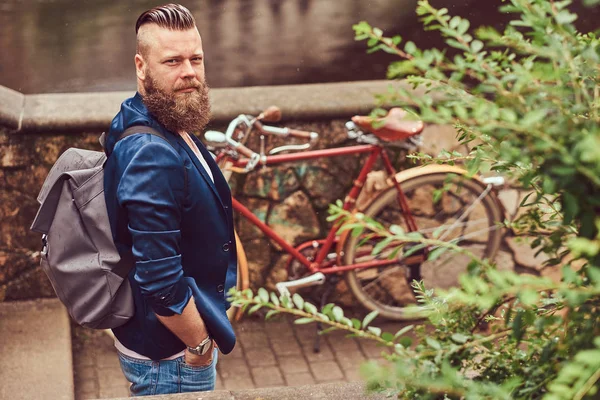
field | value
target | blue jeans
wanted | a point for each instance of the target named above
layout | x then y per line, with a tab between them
164	377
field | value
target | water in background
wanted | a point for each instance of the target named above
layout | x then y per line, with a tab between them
88	45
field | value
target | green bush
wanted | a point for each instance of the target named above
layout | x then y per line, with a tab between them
526	101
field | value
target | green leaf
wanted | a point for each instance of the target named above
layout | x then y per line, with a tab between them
405	341
459	338
388	337
264	295
254	308
271	313
355	323
369	318
434	344
476	46
374	330
528	297
565	17
436	253
454	22
327	308
310	308
379	247
403	331
338	313
287	302
410	47
463	26
301	321
298	301
274	299
533	117
396	229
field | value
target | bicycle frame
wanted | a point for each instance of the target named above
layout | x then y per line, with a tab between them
318	264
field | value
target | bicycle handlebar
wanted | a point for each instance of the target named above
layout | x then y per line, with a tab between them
251	122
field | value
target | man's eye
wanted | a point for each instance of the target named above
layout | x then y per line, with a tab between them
170	61
197	59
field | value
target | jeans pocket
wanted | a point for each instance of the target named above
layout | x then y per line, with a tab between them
140	374
198	378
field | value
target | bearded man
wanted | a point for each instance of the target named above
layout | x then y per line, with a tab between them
170	211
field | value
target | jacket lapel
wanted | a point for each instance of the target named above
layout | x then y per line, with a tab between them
200	168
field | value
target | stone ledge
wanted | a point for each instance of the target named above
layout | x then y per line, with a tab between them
11	106
62	112
324	391
36	359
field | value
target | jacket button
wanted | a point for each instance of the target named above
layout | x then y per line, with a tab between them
226	247
220	288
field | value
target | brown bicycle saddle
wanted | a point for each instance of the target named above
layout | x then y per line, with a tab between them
394	126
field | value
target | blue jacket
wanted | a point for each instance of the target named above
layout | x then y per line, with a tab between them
166	211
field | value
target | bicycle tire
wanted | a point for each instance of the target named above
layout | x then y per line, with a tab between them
417	186
234	313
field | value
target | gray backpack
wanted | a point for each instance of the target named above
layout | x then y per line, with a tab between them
79	255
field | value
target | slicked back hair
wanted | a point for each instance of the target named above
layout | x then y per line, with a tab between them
169	16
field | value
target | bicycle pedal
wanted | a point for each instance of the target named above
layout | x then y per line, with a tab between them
315	279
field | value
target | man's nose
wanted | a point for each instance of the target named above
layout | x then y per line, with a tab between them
187	70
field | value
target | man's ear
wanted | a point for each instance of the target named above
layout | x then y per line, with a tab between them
140	67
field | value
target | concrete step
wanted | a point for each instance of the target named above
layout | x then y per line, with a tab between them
36	360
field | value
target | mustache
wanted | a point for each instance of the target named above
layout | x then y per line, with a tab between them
192	85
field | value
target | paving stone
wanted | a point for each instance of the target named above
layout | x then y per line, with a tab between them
299	378
238	383
293	364
260	357
219	383
306	333
237	352
350	359
326	371
510	200
253	340
233	368
525	255
267	376
286	348
113	391
353	375
250	324
325	353
371	349
342	343
86	389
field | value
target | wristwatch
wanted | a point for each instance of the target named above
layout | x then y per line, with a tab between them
202	348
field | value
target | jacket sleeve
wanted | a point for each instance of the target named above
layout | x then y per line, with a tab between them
151	190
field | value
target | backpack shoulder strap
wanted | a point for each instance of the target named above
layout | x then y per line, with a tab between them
132	130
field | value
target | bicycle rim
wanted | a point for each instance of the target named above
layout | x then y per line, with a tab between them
467	213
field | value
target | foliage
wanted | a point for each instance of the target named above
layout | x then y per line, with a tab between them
526	102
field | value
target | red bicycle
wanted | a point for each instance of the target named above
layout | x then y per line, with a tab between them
465	211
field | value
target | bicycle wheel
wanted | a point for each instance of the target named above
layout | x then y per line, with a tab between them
234	313
466	213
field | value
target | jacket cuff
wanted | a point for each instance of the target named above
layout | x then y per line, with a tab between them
172	300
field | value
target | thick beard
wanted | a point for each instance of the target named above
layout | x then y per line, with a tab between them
189	112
